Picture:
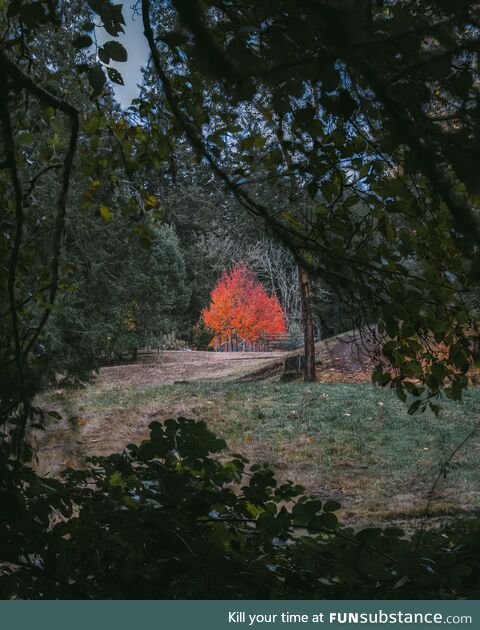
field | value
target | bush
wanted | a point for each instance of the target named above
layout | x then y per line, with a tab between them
168	519
170	342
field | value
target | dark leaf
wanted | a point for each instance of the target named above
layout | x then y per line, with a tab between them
116	51
115	76
96	78
82	41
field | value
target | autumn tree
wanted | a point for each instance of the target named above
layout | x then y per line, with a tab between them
240	302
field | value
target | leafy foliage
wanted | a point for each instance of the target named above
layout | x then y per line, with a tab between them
319	122
169	519
364	115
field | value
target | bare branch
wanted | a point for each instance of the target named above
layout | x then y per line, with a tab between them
37	176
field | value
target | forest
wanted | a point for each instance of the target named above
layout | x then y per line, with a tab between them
239	344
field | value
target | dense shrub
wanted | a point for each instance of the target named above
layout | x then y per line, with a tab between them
169	519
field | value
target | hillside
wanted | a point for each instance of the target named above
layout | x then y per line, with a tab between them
342	358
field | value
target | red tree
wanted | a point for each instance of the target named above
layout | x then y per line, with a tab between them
239	302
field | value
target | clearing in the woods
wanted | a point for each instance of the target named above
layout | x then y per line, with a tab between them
341	438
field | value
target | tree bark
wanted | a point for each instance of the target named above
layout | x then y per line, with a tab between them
309	369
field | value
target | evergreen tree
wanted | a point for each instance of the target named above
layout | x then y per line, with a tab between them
120	296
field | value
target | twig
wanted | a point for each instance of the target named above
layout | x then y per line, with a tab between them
442	472
37	176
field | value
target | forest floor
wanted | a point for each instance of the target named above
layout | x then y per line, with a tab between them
341	438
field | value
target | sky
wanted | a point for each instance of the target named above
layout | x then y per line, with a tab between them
134	41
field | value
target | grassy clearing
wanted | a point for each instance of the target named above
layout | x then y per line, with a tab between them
350	441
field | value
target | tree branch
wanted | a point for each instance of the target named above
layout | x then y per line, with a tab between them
9	70
288	235
37	176
10	160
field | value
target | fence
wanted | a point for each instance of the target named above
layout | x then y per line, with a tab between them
231	341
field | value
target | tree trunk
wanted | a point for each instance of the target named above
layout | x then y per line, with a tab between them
309	370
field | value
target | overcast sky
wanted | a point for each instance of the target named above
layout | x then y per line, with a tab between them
134	41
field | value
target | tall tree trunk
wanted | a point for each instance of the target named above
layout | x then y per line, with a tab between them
309	370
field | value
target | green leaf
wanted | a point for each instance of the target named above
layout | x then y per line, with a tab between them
82	41
115	76
276	156
105	214
110	14
96	78
151	201
103	55
346	104
414	407
304	513
14	8
328	520
116	51
369	535
329	190
32	14
330	78
25	138
331	506
117	481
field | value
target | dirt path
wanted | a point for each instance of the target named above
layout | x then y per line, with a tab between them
340	358
168	367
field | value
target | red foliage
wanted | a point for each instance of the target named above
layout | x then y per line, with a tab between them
240	302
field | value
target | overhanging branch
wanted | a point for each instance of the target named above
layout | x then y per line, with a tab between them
13	77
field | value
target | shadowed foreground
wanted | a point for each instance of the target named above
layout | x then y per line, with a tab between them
348	440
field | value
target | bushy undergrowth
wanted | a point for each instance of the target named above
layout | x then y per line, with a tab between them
170	519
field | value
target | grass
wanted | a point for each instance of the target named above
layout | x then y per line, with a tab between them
349	441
